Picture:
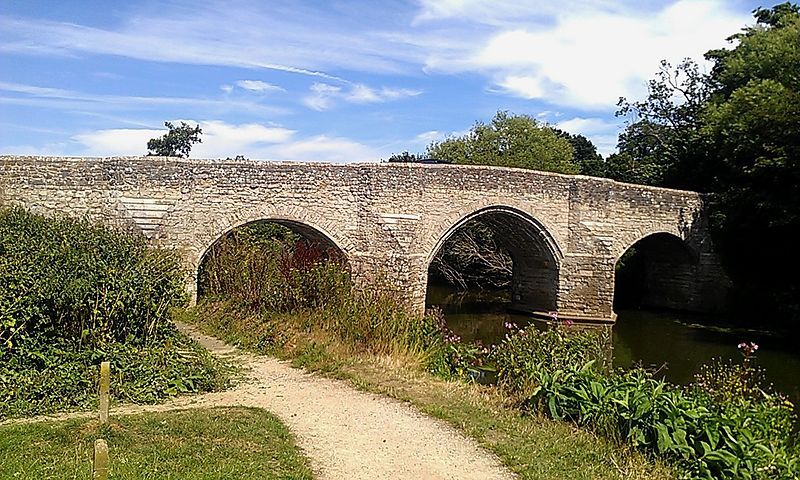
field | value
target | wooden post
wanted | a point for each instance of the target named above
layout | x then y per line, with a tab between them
105	381
100	460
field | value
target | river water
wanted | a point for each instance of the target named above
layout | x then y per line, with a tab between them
677	341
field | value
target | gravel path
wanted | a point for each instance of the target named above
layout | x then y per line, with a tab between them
346	433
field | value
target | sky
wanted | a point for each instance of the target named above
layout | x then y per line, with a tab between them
331	81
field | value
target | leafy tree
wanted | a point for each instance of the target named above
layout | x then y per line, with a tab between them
584	154
664	142
734	132
508	141
753	126
177	142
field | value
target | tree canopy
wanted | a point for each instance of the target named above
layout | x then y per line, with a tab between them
177	142
734	132
508	141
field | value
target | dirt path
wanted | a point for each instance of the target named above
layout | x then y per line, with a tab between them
347	434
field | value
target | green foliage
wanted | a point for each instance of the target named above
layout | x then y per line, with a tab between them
733	132
508	141
524	352
52	377
663	144
584	154
718	428
73	294
91	285
265	266
177	142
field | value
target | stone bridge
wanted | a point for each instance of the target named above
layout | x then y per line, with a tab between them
565	233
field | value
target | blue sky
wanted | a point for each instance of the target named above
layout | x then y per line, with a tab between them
331	81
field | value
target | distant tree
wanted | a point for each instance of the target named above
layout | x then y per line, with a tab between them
405	157
584	154
177	142
508	141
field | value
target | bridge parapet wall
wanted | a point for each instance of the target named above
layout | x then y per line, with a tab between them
388	219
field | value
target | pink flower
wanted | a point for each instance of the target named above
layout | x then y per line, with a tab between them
748	349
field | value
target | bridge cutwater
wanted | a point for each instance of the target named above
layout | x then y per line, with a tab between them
565	233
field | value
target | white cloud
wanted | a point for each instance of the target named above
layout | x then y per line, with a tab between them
259	86
427	137
222	140
602	132
322	148
324	96
116	141
588	59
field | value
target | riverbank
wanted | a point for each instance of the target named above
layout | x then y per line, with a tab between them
530	445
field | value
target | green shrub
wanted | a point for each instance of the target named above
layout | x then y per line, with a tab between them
524	352
290	282
74	294
705	437
71	279
265	266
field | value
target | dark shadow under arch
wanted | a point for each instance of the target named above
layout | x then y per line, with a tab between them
658	271
535	255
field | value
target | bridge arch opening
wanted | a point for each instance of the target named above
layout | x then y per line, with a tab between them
656	272
495	260
256	263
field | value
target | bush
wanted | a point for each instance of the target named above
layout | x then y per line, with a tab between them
73	294
71	279
282	281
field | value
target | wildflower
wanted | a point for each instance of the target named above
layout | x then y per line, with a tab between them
553	315
748	349
511	326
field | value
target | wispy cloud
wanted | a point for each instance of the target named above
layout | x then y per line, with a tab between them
57	98
259	86
584	57
323	96
280	35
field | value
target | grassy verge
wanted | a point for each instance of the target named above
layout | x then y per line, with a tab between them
530	445
198	444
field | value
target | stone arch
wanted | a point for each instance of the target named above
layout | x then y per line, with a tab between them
195	237
536	254
662	273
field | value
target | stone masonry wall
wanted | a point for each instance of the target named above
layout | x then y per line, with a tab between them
388	219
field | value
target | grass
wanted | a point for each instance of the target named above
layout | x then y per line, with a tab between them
532	446
198	444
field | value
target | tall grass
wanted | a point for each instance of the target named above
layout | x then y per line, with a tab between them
278	283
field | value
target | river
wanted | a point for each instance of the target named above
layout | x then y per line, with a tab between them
677	341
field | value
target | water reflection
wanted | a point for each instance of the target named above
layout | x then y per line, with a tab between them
652	339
